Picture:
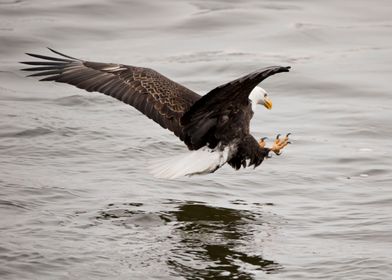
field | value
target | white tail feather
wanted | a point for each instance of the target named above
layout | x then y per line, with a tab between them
202	161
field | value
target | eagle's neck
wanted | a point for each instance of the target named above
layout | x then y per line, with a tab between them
257	97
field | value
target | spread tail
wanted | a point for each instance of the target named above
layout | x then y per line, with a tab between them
202	161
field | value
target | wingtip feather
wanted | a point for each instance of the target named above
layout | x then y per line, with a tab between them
48	79
61	54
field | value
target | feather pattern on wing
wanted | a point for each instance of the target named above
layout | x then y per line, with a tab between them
156	96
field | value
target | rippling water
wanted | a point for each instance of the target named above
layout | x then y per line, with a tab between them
77	201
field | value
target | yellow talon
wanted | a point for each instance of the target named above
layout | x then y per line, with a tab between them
279	144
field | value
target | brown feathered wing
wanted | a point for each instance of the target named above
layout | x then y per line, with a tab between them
156	96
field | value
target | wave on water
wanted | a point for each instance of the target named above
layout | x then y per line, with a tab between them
82	100
33	132
40	131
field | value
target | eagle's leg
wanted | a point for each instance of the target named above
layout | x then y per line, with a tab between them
278	145
262	142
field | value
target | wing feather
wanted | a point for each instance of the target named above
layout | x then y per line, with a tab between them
236	91
156	96
225	101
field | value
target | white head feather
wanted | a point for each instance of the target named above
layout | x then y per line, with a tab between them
259	96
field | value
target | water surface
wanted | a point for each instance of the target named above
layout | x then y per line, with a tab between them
76	198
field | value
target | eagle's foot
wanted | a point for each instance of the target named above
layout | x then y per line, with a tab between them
280	143
262	142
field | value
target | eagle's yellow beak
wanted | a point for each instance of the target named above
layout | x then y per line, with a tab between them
267	103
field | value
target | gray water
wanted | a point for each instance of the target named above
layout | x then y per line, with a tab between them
76	198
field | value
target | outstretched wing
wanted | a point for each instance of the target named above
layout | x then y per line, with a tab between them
219	104
156	96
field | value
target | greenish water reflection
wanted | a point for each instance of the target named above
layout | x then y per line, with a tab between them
212	242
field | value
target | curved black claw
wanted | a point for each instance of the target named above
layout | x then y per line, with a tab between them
288	134
263	139
277	136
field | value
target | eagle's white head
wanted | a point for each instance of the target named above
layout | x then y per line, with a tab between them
260	96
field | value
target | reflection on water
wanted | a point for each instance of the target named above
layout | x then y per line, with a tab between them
211	238
64	152
209	242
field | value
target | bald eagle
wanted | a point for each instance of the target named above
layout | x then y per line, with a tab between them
214	127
